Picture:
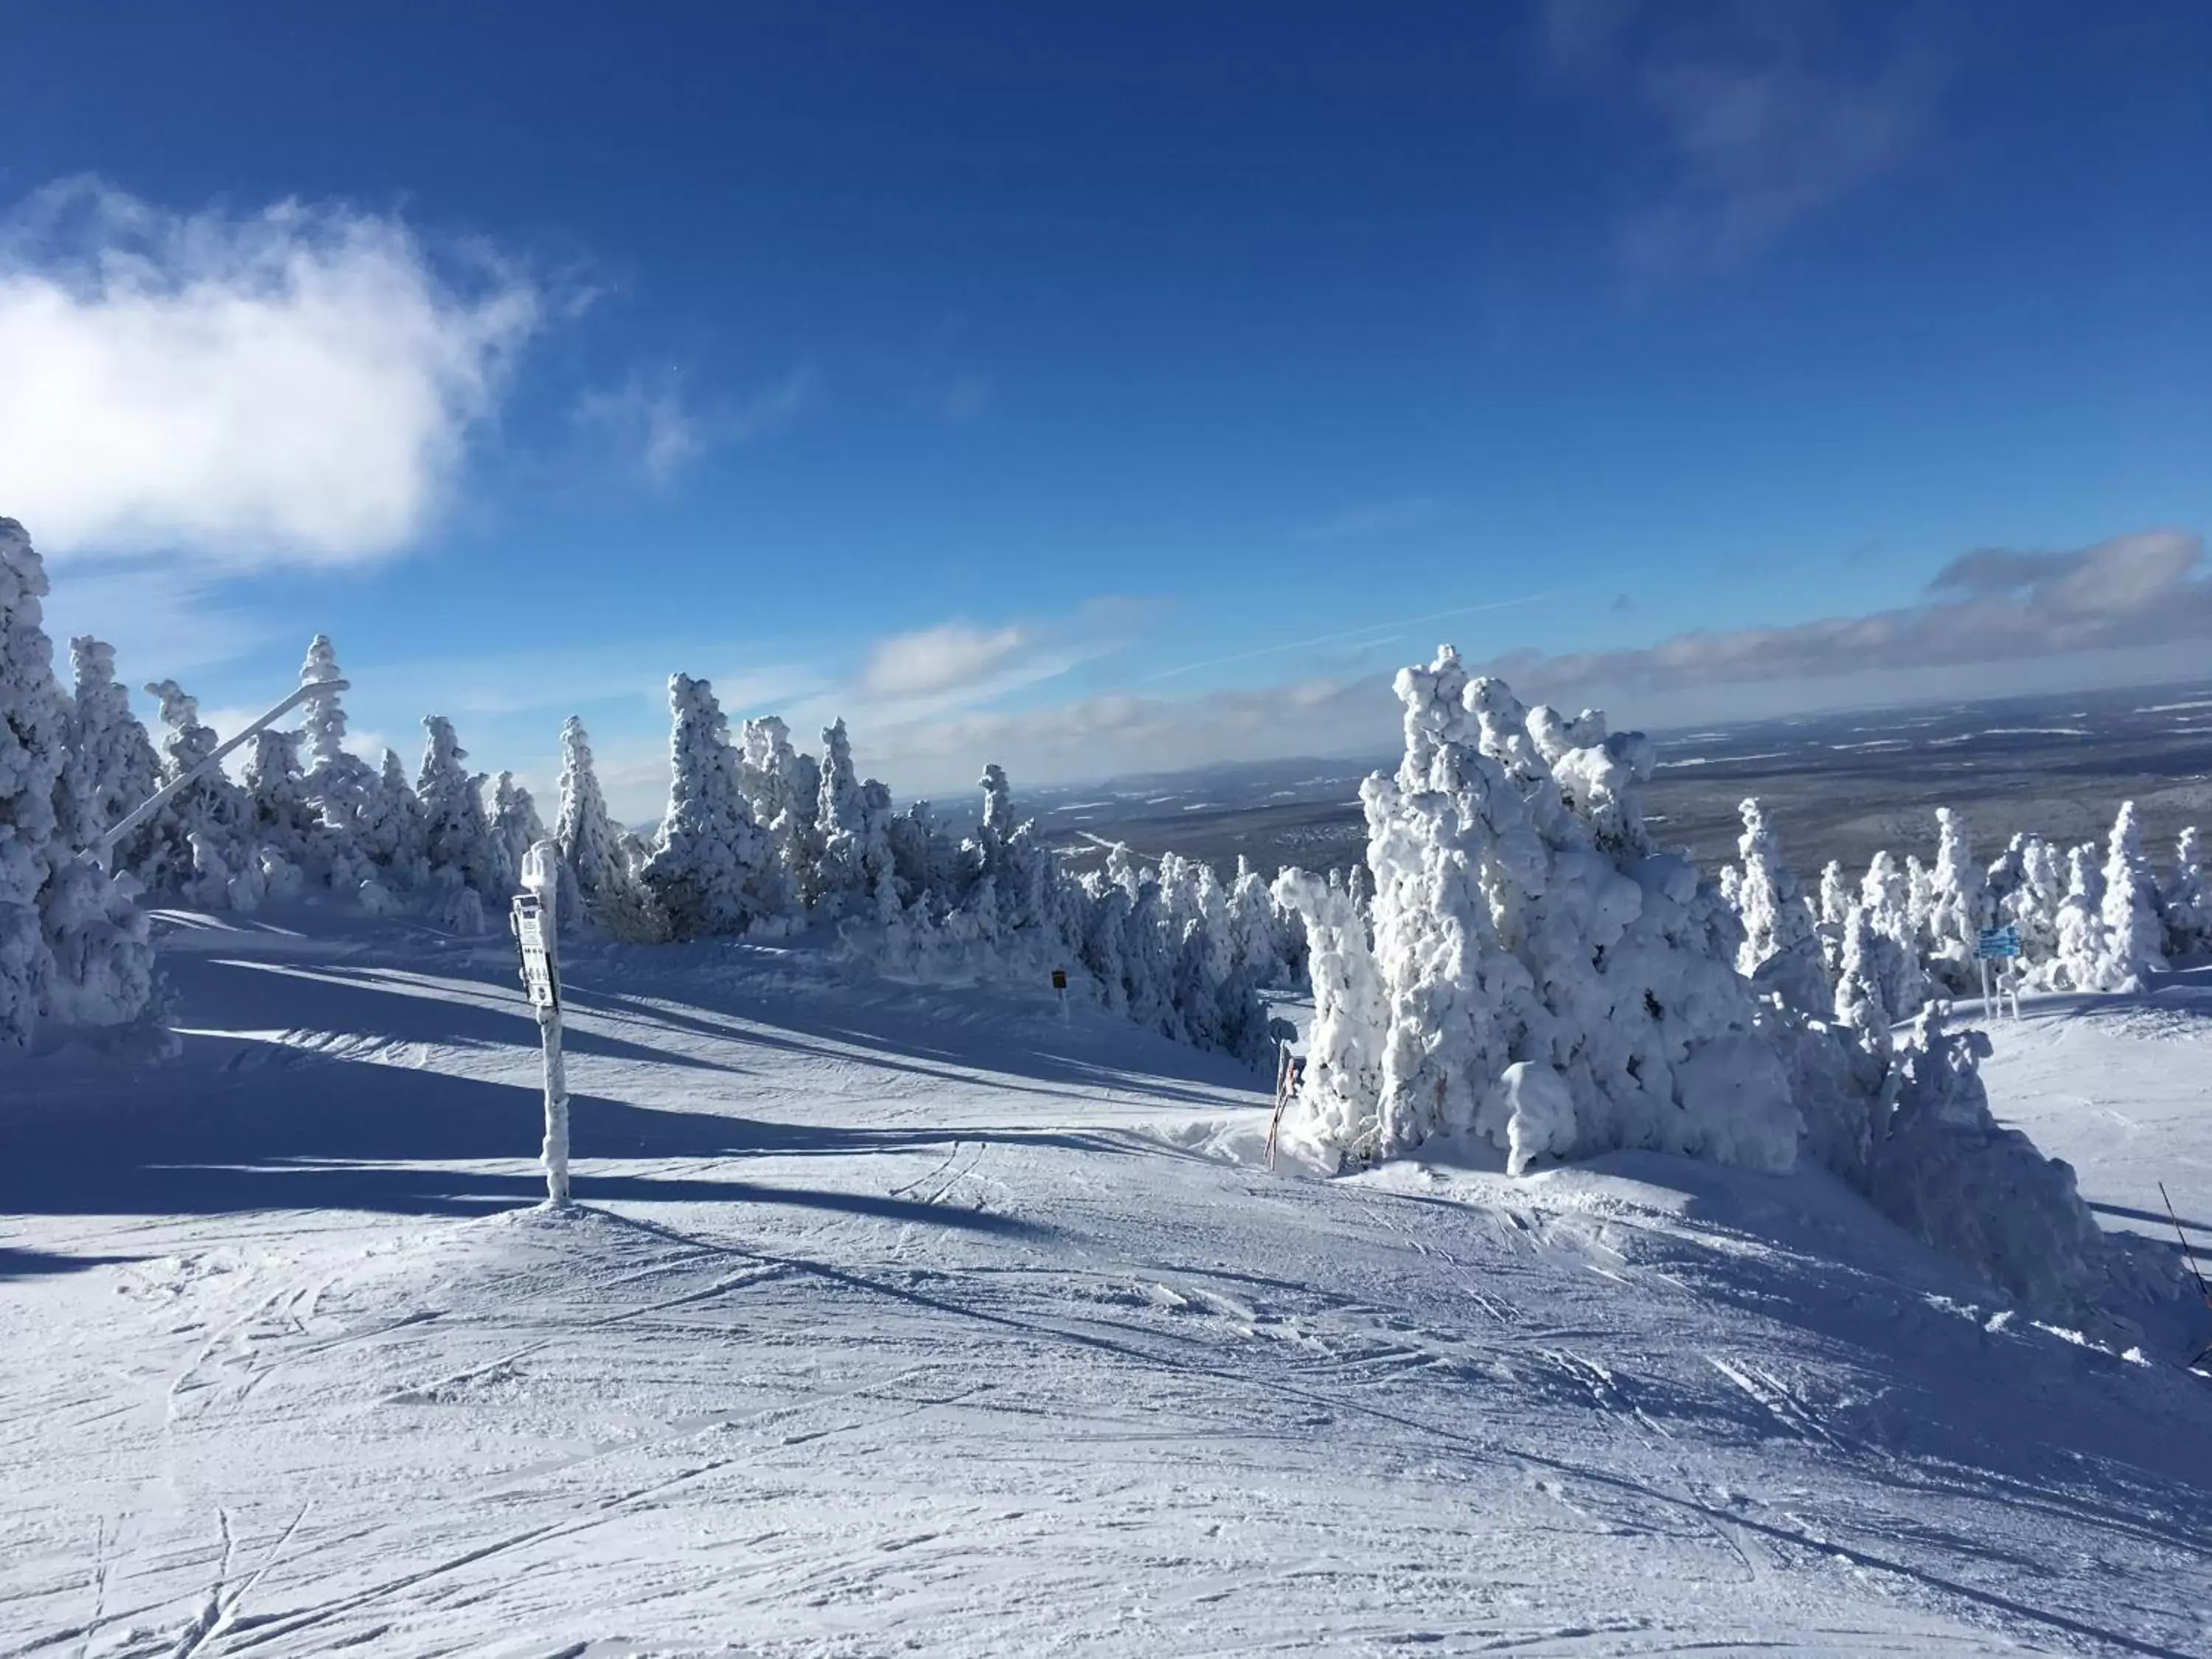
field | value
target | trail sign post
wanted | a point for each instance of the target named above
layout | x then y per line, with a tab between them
1060	989
537	942
1998	944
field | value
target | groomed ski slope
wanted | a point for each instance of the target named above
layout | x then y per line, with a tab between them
912	1320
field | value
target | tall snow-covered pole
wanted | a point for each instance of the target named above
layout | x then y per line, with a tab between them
537	935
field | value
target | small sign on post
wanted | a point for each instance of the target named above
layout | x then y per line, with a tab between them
537	941
2002	946
1060	989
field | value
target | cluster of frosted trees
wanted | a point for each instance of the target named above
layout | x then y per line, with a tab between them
308	815
2089	922
74	761
760	839
1531	971
73	943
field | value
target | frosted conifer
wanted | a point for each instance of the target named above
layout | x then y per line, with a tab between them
703	870
2133	937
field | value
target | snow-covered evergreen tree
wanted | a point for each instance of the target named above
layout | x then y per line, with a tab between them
1837	898
2078	964
705	868
31	761
73	947
457	843
2031	907
211	807
1780	949
111	767
282	819
854	828
359	838
2188	900
783	789
2134	937
1886	894
599	887
1549	982
515	828
1958	903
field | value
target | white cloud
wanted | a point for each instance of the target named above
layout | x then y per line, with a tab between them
1398	517
656	427
294	385
1769	114
949	658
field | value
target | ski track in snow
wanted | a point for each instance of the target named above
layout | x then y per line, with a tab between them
901	1319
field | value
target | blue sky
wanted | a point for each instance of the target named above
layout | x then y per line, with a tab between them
1100	390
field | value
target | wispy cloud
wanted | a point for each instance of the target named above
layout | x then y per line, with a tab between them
964	396
1375	633
1768	112
1398	517
294	384
655	425
953	656
2131	591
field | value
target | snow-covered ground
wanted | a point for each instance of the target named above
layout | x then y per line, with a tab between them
907	1319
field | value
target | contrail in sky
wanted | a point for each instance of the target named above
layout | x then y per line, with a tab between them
1352	633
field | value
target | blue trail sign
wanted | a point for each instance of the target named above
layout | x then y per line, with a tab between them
1997	944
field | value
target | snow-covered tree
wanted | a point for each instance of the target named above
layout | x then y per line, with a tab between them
1837	898
281	818
394	836
783	789
599	882
1549	982
1958	903
1780	949
1352	1019
515	828
2188	900
2031	907
111	767
2133	937
457	841
358	836
1886	894
2078	964
857	864
211	806
73	947
704	873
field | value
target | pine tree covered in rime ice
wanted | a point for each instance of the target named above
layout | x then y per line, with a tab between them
211	807
515	828
1550	983
1919	901
703	871
1885	895
282	819
2188	899
456	835
1259	933
1781	949
2079	964
111	767
2134	937
858	872
393	837
1837	899
345	790
595	877
73	947
1958	904
2032	906
783	788
1352	1016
